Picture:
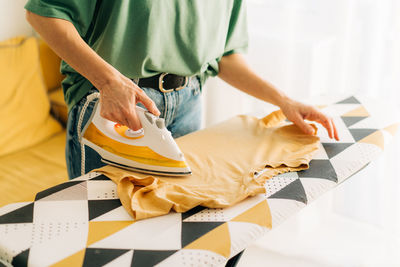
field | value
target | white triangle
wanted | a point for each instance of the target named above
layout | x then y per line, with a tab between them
13	206
243	234
352	159
125	260
314	187
281	209
163	233
58	247
276	183
15	238
336	110
367	123
193	257
101	189
344	133
75	192
321	153
86	176
117	214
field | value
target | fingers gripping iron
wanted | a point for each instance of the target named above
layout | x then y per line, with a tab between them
150	149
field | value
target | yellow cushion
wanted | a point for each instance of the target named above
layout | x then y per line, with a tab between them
58	105
24	173
24	105
50	64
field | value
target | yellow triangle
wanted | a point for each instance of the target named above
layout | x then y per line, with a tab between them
73	260
358	112
259	214
376	138
100	230
212	241
392	129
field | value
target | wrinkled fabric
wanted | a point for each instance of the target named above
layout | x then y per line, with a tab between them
224	159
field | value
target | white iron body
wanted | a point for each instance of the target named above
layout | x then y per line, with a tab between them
150	149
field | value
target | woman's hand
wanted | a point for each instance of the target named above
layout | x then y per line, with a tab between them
234	70
118	100
298	112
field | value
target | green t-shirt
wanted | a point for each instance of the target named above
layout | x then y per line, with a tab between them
142	38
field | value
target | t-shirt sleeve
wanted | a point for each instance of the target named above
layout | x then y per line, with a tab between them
79	13
237	39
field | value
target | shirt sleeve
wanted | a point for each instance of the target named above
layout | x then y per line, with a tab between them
237	39
79	13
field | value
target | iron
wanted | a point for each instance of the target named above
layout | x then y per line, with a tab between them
151	149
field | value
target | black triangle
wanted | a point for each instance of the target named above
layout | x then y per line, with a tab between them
21	259
20	215
191	212
100	207
193	230
359	134
350	100
294	190
349	121
332	149
101	256
144	258
100	177
319	168
55	189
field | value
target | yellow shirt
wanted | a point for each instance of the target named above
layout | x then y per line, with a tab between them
224	159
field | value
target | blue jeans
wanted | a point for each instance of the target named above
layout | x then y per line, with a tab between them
180	109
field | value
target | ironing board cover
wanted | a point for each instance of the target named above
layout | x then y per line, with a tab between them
82	222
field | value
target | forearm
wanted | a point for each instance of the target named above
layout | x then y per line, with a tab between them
65	40
234	70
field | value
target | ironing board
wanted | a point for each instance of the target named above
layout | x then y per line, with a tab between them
82	223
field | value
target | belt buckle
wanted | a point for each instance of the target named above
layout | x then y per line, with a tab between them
161	81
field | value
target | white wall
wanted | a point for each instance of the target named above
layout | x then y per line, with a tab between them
12	19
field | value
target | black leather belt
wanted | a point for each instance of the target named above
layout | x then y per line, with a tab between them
165	82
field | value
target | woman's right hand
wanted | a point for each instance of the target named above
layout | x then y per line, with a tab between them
118	98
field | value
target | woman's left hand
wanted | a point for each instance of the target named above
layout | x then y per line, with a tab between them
297	112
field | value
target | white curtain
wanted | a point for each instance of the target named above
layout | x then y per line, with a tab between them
310	48
317	47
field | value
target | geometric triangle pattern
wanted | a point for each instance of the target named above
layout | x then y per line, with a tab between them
349	100
294	191
20	215
194	230
149	257
123	260
349	121
83	223
359	134
207	241
100	207
74	192
332	149
100	230
259	214
55	189
21	259
101	256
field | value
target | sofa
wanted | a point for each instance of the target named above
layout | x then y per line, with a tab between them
33	115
